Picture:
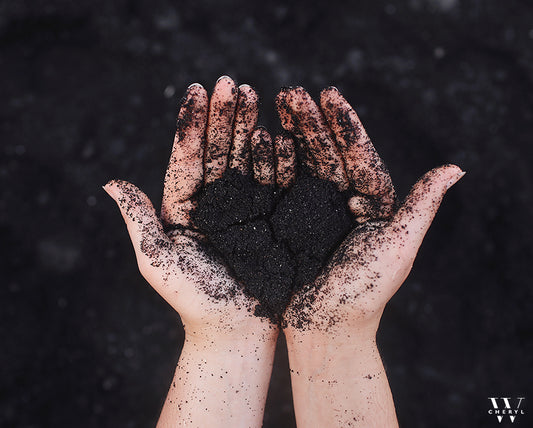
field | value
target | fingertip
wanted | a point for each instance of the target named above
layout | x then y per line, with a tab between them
331	96
196	89
107	188
246	92
196	94
329	90
108	185
450	167
297	90
425	197
111	188
299	100
224	87
226	82
117	188
455	179
448	175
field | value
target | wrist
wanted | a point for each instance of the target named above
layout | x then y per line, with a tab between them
322	354
255	344
338	376
222	337
344	335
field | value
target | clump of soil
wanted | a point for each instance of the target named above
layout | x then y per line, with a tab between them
275	241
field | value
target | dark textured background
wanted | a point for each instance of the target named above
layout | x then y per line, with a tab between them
89	91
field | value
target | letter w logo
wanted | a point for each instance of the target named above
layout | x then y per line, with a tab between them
505	408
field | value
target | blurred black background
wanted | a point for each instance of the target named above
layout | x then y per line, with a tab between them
89	92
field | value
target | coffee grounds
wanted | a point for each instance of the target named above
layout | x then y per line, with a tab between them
274	241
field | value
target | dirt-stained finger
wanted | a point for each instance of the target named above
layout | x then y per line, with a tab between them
244	124
302	153
285	160
152	246
219	128
184	174
263	156
365	169
300	115
411	222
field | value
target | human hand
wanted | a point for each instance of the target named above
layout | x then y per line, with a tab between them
374	260
337	375
176	263
224	369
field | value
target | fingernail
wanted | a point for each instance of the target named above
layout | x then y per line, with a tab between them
247	91
224	77
455	179
194	85
109	188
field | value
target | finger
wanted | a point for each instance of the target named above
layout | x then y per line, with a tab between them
184	174
284	112
152	246
285	160
365	169
365	208
262	156
245	122
219	128
300	115
302	152
414	217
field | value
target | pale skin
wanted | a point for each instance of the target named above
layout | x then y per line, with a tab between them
223	372
337	375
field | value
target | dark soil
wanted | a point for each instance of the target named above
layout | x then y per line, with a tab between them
275	241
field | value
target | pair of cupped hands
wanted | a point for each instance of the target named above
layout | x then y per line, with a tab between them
219	133
346	300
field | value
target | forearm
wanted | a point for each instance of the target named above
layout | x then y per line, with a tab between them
338	380
220	383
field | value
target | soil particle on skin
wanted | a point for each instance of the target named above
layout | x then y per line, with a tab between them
274	241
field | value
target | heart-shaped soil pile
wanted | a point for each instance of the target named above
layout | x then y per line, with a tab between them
274	241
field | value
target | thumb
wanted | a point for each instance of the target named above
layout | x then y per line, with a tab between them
419	208
151	244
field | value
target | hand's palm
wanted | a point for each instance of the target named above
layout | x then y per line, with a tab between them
177	264
374	260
